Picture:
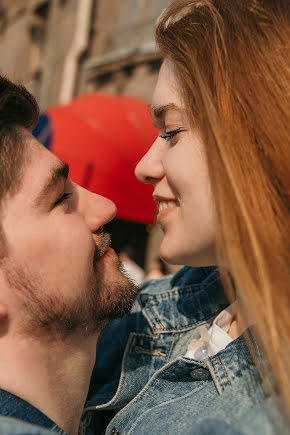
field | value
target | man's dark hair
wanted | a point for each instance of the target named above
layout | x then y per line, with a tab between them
18	108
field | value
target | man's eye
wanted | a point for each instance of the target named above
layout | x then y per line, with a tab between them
64	197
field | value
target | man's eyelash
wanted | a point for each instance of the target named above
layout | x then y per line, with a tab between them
64	197
170	134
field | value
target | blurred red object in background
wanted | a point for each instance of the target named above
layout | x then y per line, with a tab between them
102	138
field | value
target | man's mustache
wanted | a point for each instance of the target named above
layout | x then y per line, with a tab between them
103	241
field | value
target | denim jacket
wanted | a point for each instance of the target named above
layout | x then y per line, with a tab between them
20	417
142	383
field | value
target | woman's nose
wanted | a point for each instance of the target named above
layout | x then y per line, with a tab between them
96	209
150	168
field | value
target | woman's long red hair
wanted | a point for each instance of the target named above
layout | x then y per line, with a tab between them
232	63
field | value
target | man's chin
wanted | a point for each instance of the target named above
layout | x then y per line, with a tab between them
112	298
50	315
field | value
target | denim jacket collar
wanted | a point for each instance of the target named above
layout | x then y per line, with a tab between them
188	298
14	406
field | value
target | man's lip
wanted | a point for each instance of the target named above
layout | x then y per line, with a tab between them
99	253
108	254
102	242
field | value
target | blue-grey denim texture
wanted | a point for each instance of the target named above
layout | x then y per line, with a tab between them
14	426
20	417
143	384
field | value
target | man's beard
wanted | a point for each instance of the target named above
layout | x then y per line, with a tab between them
51	315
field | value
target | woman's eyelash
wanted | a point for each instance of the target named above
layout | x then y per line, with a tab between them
64	197
170	134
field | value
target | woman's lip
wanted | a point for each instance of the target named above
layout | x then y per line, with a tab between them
164	213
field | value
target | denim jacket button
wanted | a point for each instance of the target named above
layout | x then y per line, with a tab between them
200	374
114	431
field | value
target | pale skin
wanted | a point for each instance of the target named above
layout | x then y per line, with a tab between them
57	241
177	168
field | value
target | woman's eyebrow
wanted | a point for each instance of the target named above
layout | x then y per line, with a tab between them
158	112
57	172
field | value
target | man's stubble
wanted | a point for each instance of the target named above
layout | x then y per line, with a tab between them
48	314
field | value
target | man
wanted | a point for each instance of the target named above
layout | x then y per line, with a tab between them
60	282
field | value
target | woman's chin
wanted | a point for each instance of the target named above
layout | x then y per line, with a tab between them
171	257
194	259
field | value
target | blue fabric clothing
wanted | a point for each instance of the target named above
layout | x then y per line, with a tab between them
142	383
19	417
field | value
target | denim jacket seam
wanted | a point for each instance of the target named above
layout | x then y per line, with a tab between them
154	316
223	368
221	386
214	376
224	372
122	376
162	404
181	328
140	334
144	389
167	294
169	353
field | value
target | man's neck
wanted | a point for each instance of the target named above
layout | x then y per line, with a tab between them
55	379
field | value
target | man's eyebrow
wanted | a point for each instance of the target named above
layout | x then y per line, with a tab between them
57	172
158	112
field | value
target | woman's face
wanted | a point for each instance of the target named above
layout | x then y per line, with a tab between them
176	166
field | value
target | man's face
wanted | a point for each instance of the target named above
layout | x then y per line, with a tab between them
62	276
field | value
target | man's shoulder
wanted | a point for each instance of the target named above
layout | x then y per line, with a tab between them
14	426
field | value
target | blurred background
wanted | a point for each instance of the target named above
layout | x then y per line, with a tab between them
92	66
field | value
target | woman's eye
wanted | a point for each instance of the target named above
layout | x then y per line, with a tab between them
170	134
64	197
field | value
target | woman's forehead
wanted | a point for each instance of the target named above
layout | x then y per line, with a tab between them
166	92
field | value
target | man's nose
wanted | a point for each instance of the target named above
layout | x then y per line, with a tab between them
150	168
96	209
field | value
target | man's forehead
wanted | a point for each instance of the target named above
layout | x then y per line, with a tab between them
39	161
36	151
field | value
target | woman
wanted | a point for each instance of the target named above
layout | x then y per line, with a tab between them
220	174
221	105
